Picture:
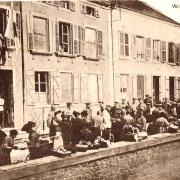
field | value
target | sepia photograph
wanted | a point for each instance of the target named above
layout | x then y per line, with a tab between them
90	90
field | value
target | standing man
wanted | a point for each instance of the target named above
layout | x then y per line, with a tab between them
89	112
113	109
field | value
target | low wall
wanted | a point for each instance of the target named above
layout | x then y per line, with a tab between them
156	158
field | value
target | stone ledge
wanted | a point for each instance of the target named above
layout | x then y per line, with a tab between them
50	163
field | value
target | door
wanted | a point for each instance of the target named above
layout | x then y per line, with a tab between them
171	88
155	89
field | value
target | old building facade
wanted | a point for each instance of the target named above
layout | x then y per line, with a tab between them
83	51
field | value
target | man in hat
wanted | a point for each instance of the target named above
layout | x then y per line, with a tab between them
113	109
69	110
50	115
89	111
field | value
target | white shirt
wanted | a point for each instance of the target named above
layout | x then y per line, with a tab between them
1	104
107	119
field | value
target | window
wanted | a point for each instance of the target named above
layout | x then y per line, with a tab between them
140	47
140	87
40	33
156	50
91	11
148	49
177	54
93	39
124	44
124	86
41	86
64	4
3	20
171	51
66	87
163	51
89	87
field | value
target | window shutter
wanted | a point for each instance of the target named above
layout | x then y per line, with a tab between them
56	3
100	87
134	86
148	48
75	40
117	87
71	39
167	86
162	87
99	44
176	87
51	35
163	51
76	88
83	9
171	52
55	87
121	43
30	88
57	36
72	6
30	31
133	46
177	58
84	87
178	55
81	34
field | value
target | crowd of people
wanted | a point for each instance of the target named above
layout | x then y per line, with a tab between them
70	129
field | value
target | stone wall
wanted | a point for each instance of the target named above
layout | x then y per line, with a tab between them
156	158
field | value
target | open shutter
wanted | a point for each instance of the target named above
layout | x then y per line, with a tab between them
171	52
121	43
100	87
99	44
55	87
133	46
149	87
81	34
176	87
167	86
57	36
84	87
76	88
30	88
72	6
177	54
162	88
134	86
117	87
71	39
75	40
30	31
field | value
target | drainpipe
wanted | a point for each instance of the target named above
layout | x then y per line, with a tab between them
22	54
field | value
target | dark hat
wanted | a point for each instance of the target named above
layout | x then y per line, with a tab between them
13	132
28	125
57	112
134	98
88	103
69	103
116	102
101	102
147	95
76	113
84	113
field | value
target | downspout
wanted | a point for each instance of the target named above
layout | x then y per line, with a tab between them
22	54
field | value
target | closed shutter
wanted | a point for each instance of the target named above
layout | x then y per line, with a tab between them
75	40
133	46
149	84
140	87
57	36
176	88
55	87
100	87
121	44
134	86
30	31
162	88
30	88
117	87
84	87
167	86
51	23
177	54
171	52
99	44
148	49
71	39
76	88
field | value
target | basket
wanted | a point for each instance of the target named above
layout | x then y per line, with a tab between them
61	153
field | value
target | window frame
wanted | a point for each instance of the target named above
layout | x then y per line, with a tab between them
141	55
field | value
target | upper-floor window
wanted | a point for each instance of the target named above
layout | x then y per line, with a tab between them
171	52
124	44
156	50
40	34
147	48
89	10
140	47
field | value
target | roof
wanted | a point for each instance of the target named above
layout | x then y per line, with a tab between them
143	8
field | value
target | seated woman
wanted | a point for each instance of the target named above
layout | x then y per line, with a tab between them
7	146
33	140
162	123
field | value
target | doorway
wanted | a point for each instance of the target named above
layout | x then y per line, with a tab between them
6	94
155	89
171	88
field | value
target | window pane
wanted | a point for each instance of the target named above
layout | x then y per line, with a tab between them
42	77
36	77
126	50
36	88
121	38
126	39
43	87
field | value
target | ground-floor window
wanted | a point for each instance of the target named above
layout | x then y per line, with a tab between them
41	87
66	87
140	86
89	87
